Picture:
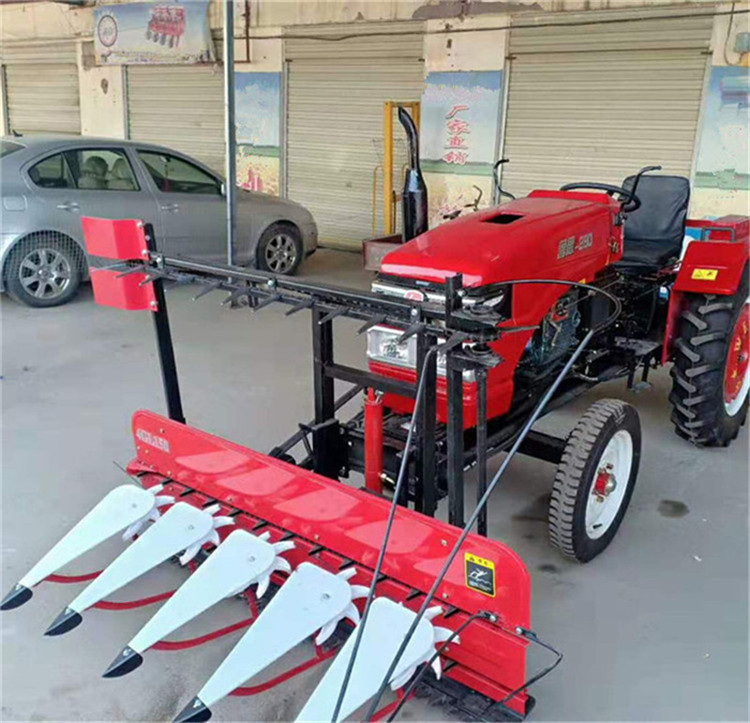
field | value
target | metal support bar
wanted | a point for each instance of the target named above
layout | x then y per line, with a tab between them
369	379
325	461
455	471
164	344
481	377
426	492
543	446
230	187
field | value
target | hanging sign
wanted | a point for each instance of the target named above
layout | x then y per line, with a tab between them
153	33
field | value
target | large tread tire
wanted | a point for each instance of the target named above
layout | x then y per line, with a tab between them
577	473
66	247
700	357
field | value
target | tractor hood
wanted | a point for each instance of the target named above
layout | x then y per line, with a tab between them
513	241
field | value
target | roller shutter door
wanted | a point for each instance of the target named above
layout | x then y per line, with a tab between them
598	102
181	107
41	82
334	140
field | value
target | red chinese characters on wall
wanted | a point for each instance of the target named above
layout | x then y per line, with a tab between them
456	129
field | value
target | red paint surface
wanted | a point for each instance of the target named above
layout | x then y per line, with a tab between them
738	357
122	292
728	258
486	253
349	525
122	239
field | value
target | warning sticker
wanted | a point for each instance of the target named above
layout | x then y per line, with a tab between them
705	274
480	574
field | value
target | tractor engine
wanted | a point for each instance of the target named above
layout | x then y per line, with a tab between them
555	336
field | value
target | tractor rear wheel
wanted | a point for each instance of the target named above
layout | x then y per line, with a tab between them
595	479
711	371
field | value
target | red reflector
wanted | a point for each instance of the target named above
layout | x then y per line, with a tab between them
122	293
122	239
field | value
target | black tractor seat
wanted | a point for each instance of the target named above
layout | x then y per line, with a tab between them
654	233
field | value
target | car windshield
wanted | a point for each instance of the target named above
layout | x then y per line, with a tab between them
8	147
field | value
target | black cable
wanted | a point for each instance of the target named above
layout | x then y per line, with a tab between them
381	555
415	680
491	487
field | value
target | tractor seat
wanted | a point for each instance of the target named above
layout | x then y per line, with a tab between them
654	233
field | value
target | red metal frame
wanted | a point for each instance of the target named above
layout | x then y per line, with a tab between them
712	266
337	525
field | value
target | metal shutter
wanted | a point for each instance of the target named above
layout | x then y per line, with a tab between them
181	107
41	81
598	102
335	96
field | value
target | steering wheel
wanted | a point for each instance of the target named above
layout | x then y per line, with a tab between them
630	202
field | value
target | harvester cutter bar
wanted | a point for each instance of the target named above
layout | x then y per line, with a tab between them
338	527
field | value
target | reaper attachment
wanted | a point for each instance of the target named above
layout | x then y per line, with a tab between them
386	628
240	561
182	528
126	508
311	599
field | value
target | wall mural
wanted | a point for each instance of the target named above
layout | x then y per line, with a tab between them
148	33
722	178
257	117
460	117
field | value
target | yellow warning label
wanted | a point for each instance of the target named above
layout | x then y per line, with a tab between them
705	274
480	574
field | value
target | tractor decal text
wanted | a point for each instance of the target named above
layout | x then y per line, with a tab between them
152	440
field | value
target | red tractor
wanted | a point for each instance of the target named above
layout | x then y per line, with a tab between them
166	25
475	330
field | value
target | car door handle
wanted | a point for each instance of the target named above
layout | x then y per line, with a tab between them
68	206
173	207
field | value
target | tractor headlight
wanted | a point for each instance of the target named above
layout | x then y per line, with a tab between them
383	346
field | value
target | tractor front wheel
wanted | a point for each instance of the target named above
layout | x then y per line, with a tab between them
711	372
595	479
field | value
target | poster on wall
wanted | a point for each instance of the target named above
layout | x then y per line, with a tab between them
460	121
723	160
722	171
153	33
257	118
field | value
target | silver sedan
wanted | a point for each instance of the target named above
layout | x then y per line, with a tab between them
48	183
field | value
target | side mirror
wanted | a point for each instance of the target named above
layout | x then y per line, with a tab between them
224	190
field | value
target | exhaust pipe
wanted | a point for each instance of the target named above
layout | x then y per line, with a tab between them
414	198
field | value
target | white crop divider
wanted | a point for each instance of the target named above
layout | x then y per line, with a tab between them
126	507
182	527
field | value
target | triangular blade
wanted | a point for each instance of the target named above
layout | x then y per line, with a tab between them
177	530
119	509
240	560
309	599
386	627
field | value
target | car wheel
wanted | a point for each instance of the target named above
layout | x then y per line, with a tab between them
44	272
280	249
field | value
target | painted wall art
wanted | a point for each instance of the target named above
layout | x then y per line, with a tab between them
258	118
722	178
460	121
153	33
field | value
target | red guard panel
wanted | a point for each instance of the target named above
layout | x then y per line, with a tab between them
124	292
351	523
123	239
